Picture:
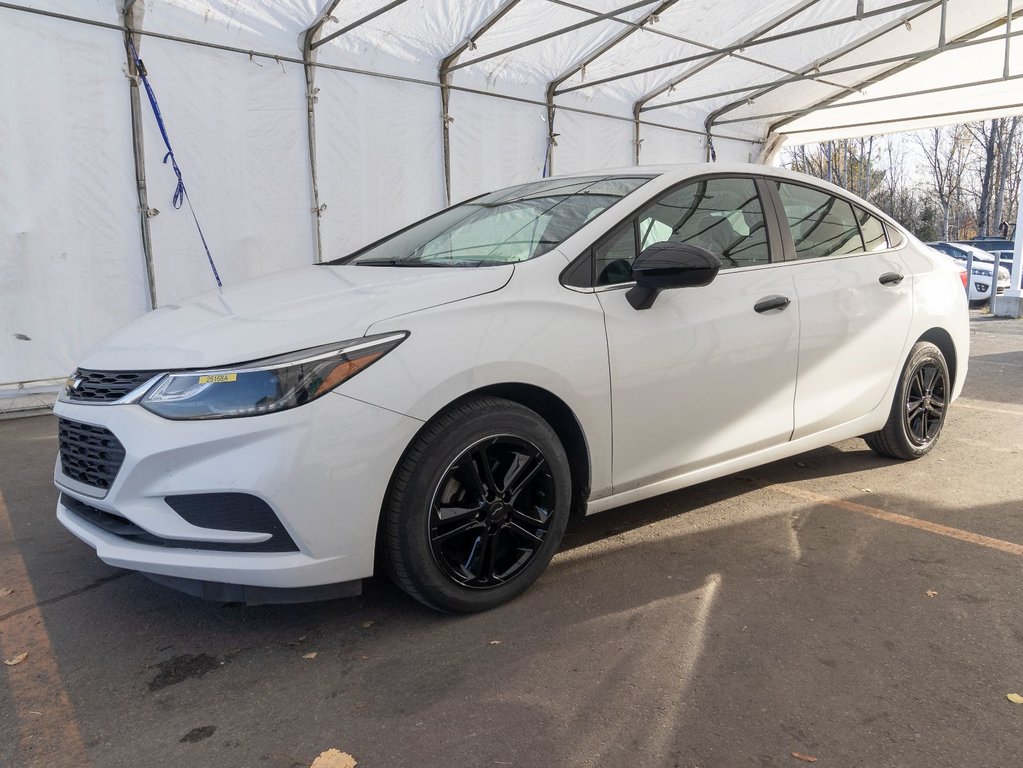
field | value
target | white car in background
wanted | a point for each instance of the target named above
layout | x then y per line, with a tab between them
440	401
983	268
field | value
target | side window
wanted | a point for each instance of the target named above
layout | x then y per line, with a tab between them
821	225
895	237
722	215
872	230
614	256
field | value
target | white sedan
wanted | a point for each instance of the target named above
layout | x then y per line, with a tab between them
983	268
439	402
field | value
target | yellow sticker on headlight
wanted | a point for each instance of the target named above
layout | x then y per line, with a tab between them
218	378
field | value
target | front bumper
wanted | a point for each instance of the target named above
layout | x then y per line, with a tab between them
323	468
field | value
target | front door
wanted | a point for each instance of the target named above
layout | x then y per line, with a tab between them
701	376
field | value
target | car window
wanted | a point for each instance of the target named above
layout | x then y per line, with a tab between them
872	231
822	225
722	215
504	227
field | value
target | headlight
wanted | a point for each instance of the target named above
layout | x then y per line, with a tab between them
982	272
268	385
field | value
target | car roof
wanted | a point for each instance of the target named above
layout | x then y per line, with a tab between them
683	171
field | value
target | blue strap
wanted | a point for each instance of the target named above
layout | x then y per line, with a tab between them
180	193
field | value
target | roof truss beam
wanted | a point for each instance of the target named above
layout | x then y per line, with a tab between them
830	101
711	50
719	53
822	73
762	30
879	99
357	23
551	35
815	66
632	28
1000	108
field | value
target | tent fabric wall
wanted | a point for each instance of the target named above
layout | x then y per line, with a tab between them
588	141
233	81
71	266
378	156
240	140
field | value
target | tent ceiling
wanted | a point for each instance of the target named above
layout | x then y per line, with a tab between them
807	69
802	68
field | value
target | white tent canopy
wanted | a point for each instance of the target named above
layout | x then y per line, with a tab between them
305	128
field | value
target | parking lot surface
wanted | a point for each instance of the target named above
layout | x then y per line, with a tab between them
836	605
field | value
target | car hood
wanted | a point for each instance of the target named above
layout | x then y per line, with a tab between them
284	312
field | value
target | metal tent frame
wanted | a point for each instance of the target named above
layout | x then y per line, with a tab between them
679	68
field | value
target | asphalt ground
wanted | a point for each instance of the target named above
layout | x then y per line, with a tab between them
856	610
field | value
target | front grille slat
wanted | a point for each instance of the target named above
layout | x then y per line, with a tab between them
89	454
106	386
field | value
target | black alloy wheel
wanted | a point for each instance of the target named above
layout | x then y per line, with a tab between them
921	404
491	511
476	507
925	402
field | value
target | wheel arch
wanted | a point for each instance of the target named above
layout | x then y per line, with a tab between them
563	421
941	338
555	412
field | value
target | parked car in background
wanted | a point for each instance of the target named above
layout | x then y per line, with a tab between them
1004	258
987	243
983	268
440	401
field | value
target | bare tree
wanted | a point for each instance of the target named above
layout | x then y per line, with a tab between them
1006	139
946	151
986	139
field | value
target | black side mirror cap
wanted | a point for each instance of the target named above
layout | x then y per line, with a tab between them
670	265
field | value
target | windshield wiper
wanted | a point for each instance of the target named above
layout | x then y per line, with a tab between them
413	263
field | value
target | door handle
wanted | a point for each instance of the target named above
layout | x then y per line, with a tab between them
771	303
890	278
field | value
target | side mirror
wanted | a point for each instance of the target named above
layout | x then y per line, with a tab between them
670	265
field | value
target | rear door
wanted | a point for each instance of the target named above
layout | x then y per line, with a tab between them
855	305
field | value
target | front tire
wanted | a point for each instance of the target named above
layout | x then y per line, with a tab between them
477	506
918	412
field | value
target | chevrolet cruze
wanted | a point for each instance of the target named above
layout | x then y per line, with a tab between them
439	402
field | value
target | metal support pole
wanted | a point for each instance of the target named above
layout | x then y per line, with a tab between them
994	281
637	141
447	64
551	135
1008	40
944	19
580	66
969	271
131	21
309	39
1011	304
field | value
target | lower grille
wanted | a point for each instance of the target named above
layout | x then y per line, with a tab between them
89	454
126	529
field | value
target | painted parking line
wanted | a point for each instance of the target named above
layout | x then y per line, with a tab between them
893	517
47	727
960	404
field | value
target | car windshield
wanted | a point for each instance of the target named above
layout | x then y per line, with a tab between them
502	227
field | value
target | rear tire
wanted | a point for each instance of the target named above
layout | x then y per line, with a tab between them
918	412
477	506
